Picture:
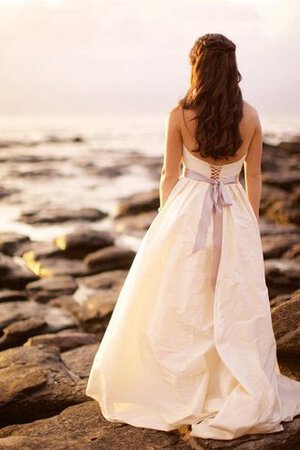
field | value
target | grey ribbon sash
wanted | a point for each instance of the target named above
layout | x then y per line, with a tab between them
217	196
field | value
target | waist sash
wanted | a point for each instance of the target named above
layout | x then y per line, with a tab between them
216	197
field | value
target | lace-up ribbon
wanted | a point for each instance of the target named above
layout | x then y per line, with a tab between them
217	196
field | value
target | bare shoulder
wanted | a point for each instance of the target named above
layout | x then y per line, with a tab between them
250	113
175	112
174	116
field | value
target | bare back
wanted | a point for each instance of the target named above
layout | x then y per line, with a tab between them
247	128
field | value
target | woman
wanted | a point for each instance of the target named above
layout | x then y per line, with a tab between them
190	340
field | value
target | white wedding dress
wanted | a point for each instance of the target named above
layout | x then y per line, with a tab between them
190	340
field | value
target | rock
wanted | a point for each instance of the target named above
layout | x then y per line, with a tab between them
48	288
286	325
285	211
275	246
136	224
66	303
40	172
56	266
137	203
267	227
34	383
21	320
60	215
110	258
64	340
79	360
28	443
292	147
13	273
7	295
293	252
289	367
10	242
7	192
91	285
38	249
83	427
270	195
282	276
61	431
279	299
95	313
288	180
82	242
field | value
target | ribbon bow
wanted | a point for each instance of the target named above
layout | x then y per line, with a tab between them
217	196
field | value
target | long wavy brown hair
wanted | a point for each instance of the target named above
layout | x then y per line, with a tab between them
215	95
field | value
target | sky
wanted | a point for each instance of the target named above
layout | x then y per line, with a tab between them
89	57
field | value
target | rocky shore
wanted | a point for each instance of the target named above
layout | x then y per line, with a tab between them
57	296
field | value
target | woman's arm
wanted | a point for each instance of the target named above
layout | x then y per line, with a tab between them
170	171
253	178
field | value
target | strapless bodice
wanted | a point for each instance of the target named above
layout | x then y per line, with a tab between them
217	171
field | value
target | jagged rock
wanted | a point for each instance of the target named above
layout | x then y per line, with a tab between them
137	203
34	383
21	320
60	215
110	258
64	340
286	325
48	288
14	274
82	242
282	276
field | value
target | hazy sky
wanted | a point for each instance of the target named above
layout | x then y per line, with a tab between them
131	56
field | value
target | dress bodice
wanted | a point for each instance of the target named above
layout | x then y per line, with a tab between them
212	170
